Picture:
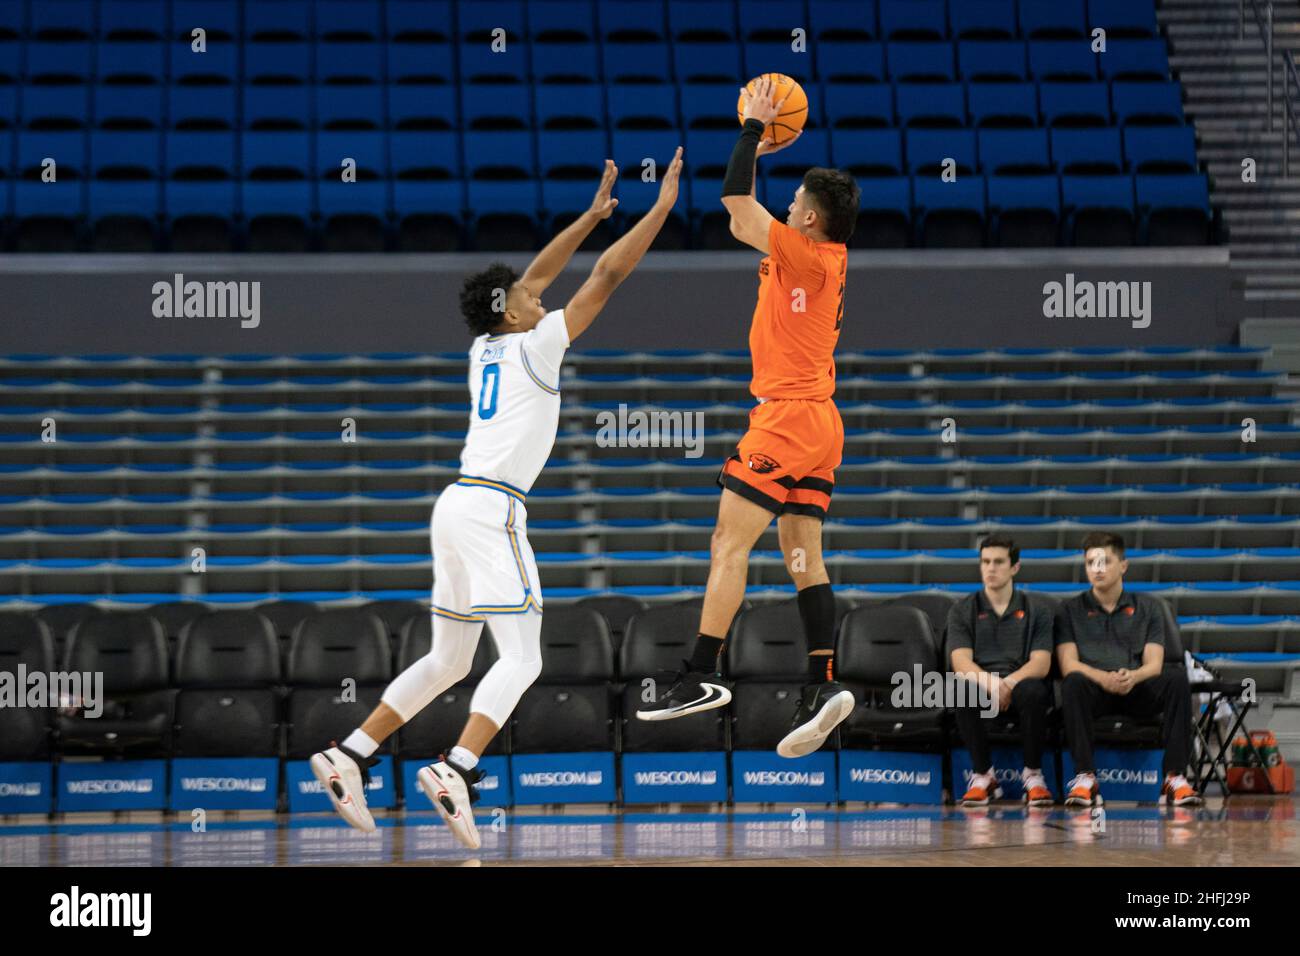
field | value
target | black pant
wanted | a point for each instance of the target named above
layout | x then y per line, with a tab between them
1029	699
1083	701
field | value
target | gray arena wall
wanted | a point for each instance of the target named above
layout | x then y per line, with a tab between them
910	299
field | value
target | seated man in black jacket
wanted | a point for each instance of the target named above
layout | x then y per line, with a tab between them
1111	647
998	637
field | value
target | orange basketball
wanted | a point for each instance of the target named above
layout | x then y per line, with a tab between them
793	111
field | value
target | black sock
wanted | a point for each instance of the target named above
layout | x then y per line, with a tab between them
705	658
817	611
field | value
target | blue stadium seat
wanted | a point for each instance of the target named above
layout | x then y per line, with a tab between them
629	147
707	63
983	19
930	104
1013	152
57	62
275	63
209	206
1099	209
346	21
220	18
422	21
761	56
477	21
54	107
920	61
277	107
632	107
51	212
1071	60
344	63
278	214
123	107
130	63
884	213
851	105
1024	210
217	66
701	21
201	107
278	155
633	21
503	213
1147	104
67	149
636	62
480	64
507	153
124	216
928	149
1087	151
483	107
913	20
431	154
368	148
570	63
572	154
349	107
867	152
133	20
709	148
851	62
1003	104
125	155
1000	60
1123	18
705	105
1074	104
353	216
430	215
835	20
411	108
1135	60
580	106
11	62
1160	149
284	20
562	21
949	214
199	155
66	20
1174	209
429	62
1053	18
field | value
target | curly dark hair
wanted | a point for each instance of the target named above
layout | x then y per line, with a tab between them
835	195
479	293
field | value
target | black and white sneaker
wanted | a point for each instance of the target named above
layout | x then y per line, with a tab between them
452	791
822	707
689	692
344	774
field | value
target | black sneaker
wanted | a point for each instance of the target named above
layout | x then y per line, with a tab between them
690	692
821	709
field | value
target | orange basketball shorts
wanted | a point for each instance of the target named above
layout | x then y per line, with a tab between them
786	461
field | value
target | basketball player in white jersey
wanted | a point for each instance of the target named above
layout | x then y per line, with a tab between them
483	564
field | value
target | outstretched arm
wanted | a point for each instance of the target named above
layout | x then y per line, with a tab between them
550	262
750	222
617	262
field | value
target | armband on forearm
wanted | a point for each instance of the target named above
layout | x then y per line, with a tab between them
739	179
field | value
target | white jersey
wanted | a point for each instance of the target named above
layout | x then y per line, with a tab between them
514	391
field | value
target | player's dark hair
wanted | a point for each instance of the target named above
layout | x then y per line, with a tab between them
835	195
1104	539
1002	541
479	293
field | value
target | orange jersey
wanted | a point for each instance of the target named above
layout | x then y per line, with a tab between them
794	351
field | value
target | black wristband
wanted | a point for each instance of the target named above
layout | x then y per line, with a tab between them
739	179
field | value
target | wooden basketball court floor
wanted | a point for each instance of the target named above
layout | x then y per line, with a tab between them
1242	831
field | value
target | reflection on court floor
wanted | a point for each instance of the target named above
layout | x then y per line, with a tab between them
1261	831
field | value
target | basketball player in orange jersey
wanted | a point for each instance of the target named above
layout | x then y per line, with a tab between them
785	463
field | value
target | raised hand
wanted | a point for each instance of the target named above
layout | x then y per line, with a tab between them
759	104
671	177
603	205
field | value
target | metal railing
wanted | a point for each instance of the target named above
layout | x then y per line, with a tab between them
1264	22
1291	108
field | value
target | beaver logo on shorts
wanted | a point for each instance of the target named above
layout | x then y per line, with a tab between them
763	464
